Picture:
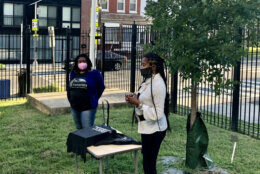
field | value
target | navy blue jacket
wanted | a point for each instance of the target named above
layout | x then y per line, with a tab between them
96	86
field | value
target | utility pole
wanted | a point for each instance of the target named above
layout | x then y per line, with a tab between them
93	25
52	45
35	35
21	61
92	32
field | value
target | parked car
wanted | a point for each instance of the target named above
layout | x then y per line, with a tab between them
112	61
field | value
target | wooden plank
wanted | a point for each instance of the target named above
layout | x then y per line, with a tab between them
111	149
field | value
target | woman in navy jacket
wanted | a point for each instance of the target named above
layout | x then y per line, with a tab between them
85	88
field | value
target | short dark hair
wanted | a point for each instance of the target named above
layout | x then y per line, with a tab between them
75	68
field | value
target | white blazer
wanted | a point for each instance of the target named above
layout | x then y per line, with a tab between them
153	122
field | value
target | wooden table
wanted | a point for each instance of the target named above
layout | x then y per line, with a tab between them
102	151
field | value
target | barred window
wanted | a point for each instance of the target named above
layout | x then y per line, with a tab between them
112	34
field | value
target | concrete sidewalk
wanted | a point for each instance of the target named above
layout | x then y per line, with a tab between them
55	103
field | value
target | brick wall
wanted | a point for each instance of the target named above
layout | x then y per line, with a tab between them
85	25
85	15
113	6
139	6
85	18
127	3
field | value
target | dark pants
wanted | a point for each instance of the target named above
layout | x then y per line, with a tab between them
150	148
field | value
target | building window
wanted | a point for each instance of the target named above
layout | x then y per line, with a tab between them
112	35
13	14
121	5
47	16
140	37
66	17
70	17
127	34
133	6
105	6
75	17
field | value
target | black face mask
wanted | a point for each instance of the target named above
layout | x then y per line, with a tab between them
146	72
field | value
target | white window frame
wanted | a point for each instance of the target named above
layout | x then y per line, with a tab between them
120	11
106	10
135	7
112	25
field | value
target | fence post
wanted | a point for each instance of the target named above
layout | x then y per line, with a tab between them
27	56
133	58
67	64
103	50
174	89
236	95
9	46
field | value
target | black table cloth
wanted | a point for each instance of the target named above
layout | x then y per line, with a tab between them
78	141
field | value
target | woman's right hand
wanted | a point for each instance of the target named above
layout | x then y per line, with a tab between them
128	96
132	99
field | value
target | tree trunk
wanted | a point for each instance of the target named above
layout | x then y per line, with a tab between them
194	102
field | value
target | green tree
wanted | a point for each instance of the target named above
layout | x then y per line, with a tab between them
201	38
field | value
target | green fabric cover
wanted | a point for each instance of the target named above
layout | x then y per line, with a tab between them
197	144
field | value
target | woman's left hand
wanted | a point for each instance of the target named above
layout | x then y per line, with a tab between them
133	100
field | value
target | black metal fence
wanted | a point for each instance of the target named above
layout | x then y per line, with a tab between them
129	41
29	65
121	49
10	50
237	109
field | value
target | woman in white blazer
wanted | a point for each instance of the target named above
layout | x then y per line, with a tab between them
151	109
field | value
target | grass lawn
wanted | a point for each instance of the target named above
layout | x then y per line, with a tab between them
32	142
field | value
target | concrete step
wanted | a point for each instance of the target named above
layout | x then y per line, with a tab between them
56	103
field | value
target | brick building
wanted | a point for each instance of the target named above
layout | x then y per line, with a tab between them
58	13
61	14
122	12
117	16
114	13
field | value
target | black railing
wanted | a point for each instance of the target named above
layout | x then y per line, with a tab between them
122	50
237	109
44	71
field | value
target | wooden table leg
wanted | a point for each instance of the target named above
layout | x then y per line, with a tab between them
76	163
106	166
136	161
100	166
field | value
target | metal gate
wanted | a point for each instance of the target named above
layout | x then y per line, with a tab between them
21	73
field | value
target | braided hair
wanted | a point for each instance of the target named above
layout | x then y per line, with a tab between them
155	59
